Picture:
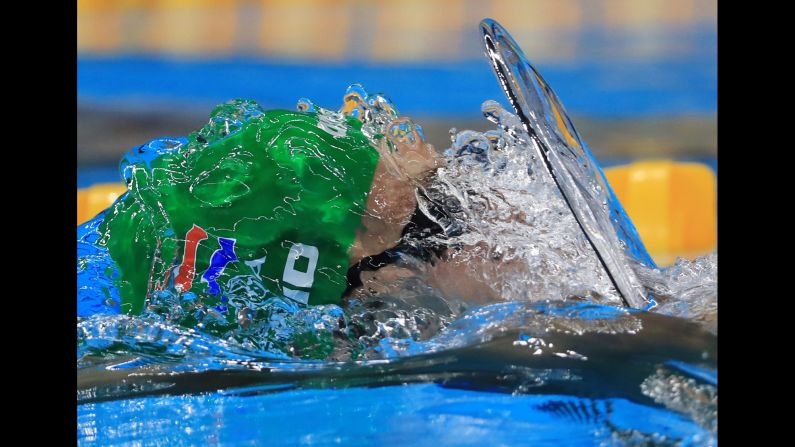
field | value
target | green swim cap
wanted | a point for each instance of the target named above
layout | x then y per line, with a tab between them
255	204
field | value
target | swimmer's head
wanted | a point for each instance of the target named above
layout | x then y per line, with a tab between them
406	161
260	203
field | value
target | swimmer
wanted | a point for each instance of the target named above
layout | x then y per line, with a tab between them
256	204
316	206
302	205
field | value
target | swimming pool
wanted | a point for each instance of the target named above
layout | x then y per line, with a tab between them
625	363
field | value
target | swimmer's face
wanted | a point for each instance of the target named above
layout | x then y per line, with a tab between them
401	169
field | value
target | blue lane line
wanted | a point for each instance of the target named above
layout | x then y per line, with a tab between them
596	88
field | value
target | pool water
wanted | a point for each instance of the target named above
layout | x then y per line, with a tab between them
422	415
512	373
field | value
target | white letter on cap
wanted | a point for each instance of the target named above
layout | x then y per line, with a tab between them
293	276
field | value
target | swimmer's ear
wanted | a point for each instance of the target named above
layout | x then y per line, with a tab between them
386	151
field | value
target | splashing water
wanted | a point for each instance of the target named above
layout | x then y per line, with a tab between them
517	222
518	238
504	293
687	289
